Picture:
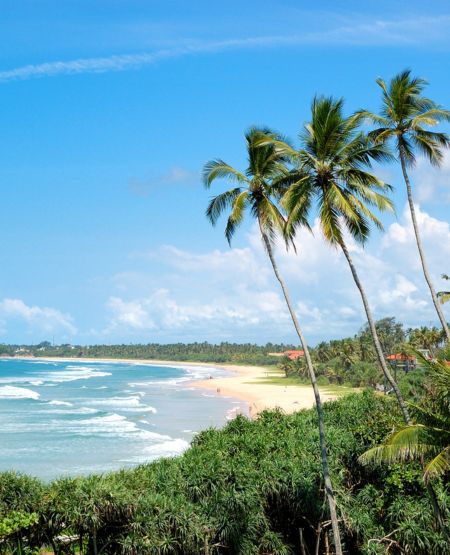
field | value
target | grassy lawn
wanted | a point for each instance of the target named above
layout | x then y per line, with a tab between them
274	376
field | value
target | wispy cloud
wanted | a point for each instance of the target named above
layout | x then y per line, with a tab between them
173	177
354	32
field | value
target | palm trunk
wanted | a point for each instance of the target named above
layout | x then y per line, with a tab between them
323	448
436	303
376	340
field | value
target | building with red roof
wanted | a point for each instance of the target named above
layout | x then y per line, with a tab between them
294	355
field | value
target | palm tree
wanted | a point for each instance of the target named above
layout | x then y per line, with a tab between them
426	440
444	296
332	170
404	117
257	190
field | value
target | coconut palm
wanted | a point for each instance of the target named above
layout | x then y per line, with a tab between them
428	439
404	118
257	191
332	170
444	296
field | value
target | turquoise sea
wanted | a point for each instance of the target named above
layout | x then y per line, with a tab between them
78	417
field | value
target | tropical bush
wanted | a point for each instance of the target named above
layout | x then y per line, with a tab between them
253	487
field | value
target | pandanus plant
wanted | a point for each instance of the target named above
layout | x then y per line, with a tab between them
257	191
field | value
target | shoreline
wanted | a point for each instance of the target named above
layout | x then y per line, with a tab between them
252	384
248	383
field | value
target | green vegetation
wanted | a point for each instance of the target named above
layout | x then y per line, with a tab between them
232	353
429	437
254	487
352	361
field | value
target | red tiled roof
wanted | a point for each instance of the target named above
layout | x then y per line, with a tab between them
293	355
400	356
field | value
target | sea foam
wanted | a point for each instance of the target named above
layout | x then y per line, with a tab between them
11	392
72	373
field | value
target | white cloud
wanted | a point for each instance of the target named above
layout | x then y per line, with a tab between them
39	319
201	295
233	295
129	314
161	312
351	31
432	185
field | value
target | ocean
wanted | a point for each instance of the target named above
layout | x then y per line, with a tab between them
78	417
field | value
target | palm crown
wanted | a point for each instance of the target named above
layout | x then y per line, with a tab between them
257	190
332	169
405	115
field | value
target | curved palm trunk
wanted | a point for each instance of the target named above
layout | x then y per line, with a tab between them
373	331
436	303
323	448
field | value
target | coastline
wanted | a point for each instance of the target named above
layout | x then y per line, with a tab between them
248	383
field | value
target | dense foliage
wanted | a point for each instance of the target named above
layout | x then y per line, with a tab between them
254	487
352	361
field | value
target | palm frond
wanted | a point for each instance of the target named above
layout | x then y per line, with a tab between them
220	203
329	218
443	296
237	215
218	169
431	144
270	218
297	202
365	115
408	443
438	466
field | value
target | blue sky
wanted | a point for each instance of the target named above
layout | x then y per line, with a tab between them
110	109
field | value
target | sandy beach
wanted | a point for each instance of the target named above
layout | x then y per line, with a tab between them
247	383
252	384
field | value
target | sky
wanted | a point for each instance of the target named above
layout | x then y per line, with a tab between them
111	108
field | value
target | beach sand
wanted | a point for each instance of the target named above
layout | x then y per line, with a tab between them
247	383
251	384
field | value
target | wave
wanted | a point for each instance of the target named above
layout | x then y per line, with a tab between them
62	403
22	380
169	448
191	374
126	404
72	373
141	408
68	411
110	425
11	392
232	413
117	402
